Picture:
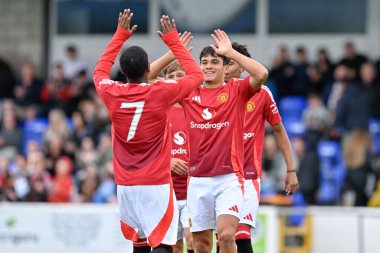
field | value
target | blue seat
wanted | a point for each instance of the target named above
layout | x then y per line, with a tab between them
374	129
291	107
34	130
332	172
294	127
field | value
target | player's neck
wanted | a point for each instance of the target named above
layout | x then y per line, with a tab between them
213	85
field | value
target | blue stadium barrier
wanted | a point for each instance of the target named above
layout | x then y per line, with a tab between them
292	107
374	129
332	172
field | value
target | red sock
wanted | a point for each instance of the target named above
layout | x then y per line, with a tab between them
243	232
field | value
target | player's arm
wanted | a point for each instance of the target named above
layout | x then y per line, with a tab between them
158	65
123	32
283	142
258	73
194	75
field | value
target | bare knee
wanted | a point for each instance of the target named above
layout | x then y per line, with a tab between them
202	243
226	237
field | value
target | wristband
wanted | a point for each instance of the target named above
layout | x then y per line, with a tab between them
290	171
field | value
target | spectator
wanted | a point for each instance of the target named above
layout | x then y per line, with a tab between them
352	60
308	171
10	133
106	192
372	84
72	65
40	180
302	81
63	183
357	160
282	73
27	92
88	182
315	117
7	80
57	92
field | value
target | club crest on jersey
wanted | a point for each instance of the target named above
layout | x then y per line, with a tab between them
179	138
223	97
208	113
251	106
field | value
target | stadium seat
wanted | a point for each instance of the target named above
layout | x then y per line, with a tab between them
332	172
33	131
374	129
291	107
294	127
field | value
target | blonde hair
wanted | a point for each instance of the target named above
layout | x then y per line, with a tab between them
355	148
174	66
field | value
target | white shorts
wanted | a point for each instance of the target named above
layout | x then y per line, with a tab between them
148	211
183	218
209	197
251	202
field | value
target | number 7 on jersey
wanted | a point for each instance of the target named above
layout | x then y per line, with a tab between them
136	117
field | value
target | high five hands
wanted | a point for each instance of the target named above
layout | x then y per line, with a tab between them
125	21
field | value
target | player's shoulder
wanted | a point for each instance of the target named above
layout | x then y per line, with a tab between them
266	92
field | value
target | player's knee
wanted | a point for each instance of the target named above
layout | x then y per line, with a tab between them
202	246
226	237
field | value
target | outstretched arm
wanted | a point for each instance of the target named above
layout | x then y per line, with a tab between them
158	65
256	70
123	32
170	36
291	181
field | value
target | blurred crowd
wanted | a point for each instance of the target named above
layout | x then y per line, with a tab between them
72	159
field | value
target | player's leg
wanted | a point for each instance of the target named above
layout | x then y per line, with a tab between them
229	202
201	210
247	221
178	247
184	225
189	240
141	246
162	248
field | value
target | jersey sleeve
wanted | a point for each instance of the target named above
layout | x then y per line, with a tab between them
245	89
101	75
193	78
271	113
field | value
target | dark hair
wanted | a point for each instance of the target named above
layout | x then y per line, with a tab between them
134	63
71	48
241	49
209	51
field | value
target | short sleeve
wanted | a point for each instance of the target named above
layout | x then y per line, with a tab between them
271	113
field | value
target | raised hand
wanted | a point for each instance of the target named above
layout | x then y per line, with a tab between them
224	45
185	39
166	25
125	21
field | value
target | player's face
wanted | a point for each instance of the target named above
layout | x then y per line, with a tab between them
212	68
233	71
175	75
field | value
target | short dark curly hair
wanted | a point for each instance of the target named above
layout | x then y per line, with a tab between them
210	51
134	63
241	49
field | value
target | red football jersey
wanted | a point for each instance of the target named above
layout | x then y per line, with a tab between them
180	148
260	108
138	112
215	122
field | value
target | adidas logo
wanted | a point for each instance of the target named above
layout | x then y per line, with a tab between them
197	99
234	208
248	217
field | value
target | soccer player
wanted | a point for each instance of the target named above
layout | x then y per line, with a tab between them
180	145
140	134
260	108
215	117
